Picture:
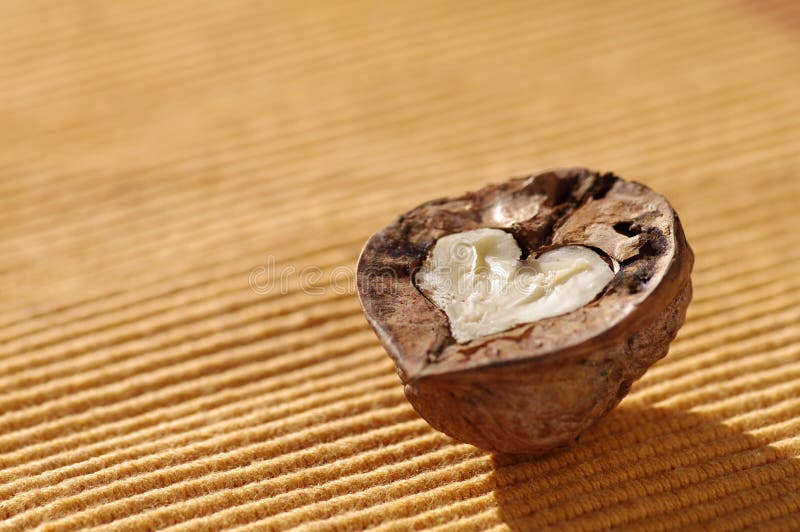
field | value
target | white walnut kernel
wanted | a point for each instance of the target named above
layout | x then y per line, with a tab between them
477	278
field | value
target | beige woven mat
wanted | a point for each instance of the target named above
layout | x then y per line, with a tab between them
163	162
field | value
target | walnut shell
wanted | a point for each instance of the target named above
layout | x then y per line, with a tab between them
536	386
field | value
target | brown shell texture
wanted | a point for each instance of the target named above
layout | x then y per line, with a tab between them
534	387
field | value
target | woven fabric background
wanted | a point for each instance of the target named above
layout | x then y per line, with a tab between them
185	188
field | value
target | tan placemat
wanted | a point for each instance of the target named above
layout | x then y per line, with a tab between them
166	164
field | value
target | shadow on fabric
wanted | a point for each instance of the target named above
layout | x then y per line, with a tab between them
643	465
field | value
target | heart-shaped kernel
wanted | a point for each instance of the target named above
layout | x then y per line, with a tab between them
533	385
477	278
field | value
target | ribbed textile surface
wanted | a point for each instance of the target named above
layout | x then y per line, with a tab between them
185	188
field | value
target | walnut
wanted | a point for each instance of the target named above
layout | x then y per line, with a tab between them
606	289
